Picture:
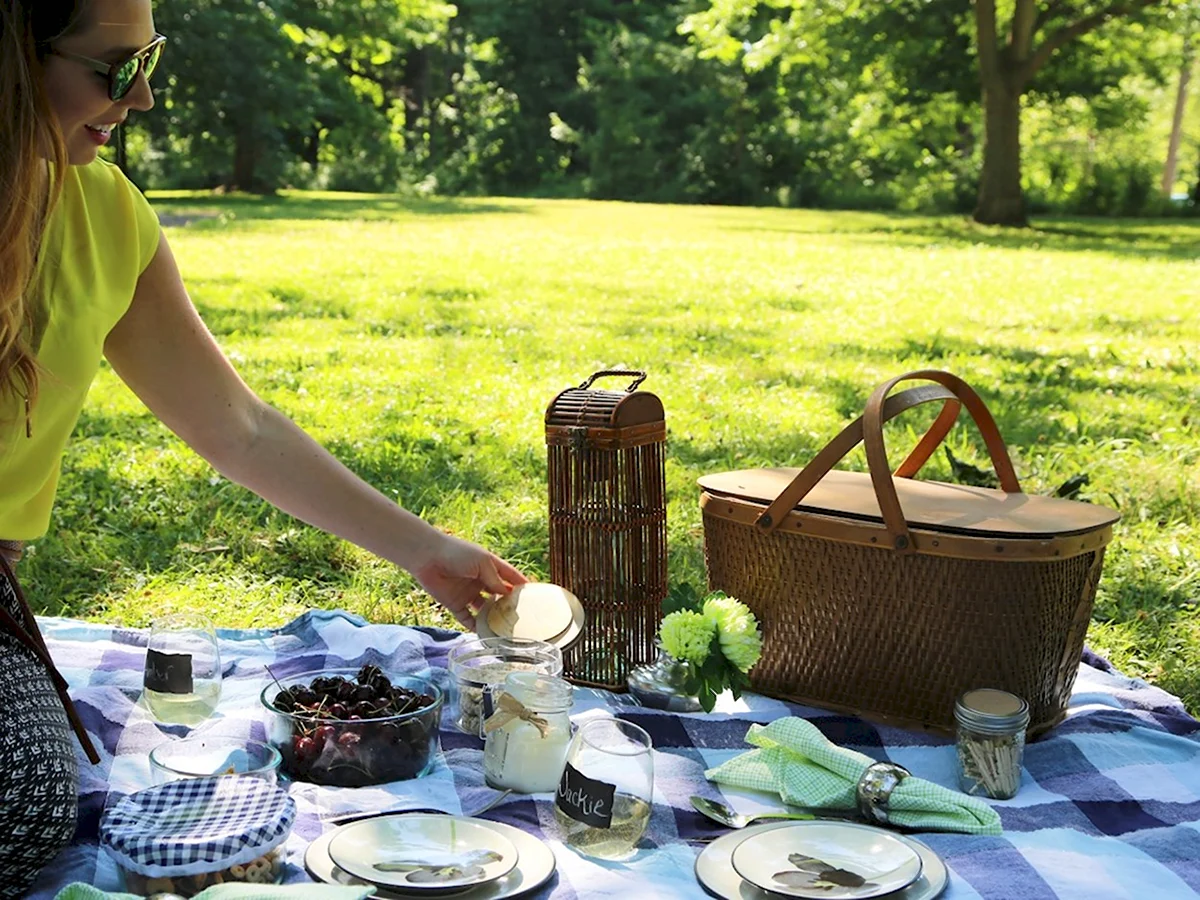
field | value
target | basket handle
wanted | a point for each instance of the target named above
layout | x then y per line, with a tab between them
638	378
852	435
881	478
881	408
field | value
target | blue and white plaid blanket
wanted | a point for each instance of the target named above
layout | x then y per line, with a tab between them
1109	806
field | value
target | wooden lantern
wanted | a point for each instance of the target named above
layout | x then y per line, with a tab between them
608	523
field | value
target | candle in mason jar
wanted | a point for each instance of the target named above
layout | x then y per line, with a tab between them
526	738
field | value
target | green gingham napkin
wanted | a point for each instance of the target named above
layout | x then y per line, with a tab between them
80	891
798	762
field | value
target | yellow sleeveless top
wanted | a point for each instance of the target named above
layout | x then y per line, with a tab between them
99	239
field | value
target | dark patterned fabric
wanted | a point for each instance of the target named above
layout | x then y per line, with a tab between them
39	774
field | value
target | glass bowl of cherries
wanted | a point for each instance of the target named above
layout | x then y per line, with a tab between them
353	727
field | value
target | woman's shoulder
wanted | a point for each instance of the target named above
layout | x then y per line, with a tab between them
102	201
100	177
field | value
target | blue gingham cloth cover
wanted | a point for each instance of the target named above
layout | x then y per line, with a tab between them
197	825
1109	805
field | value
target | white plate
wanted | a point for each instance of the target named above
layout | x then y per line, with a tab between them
827	859
534	867
423	853
715	872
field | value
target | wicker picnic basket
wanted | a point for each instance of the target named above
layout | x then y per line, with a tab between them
887	597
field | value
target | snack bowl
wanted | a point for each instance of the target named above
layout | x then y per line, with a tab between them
184	836
353	727
202	756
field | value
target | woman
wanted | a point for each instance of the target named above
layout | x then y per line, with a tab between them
84	273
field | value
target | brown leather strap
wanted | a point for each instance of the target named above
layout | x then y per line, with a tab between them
850	437
29	634
877	463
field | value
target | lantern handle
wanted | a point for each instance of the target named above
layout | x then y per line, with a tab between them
639	377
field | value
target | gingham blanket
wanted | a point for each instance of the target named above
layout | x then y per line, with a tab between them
1109	807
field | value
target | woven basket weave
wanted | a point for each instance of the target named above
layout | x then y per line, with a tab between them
608	522
888	597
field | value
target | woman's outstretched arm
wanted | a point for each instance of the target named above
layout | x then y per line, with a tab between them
168	357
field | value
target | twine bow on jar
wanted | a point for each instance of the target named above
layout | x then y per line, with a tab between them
509	708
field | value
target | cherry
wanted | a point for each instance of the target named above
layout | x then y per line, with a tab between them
305	746
323	735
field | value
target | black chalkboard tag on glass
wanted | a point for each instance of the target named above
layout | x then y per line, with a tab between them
585	799
168	673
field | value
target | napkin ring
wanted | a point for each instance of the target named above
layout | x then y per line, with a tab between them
875	787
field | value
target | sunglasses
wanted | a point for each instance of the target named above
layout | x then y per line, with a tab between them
123	75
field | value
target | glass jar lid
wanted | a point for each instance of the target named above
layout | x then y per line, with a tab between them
483	661
992	711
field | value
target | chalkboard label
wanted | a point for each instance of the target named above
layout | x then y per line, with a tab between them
585	799
168	673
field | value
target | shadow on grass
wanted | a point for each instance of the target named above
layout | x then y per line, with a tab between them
208	210
453	312
1175	239
1031	383
1155	611
139	528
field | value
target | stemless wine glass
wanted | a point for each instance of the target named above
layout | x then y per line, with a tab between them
604	798
182	678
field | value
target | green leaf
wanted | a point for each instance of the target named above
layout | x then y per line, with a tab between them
681	596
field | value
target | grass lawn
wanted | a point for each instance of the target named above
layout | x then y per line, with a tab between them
421	342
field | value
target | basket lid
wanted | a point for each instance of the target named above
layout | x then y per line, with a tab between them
588	407
186	827
935	505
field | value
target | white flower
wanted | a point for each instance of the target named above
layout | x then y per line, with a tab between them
737	630
687	635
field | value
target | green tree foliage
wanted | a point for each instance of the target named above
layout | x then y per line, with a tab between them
853	103
1075	48
255	90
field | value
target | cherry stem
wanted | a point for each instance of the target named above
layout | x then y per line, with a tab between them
273	678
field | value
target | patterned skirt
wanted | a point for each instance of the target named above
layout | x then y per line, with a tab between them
39	772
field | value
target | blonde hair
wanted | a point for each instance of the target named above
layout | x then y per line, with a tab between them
29	137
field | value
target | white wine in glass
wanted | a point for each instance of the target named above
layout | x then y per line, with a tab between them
603	803
182	677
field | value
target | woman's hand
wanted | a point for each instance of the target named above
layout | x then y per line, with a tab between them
460	573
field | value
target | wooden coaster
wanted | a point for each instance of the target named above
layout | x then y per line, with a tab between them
536	610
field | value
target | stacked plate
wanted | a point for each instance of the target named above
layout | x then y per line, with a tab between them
822	860
422	855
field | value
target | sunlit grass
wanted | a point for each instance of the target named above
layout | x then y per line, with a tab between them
422	341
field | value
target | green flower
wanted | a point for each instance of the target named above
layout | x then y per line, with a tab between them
737	630
687	635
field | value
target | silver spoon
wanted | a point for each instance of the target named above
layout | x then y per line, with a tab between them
719	812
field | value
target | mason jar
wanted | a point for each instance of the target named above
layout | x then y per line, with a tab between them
527	735
990	741
477	664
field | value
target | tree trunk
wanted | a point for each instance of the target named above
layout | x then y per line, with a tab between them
1172	164
245	161
1001	200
